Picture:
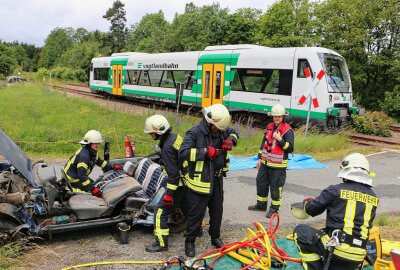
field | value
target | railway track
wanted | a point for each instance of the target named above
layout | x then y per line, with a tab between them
74	90
395	128
370	140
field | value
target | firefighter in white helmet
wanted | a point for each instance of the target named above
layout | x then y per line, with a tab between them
277	143
158	127
205	160
350	208
81	164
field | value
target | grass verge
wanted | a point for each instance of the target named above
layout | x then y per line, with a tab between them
46	123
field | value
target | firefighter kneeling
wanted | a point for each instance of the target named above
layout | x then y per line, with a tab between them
351	208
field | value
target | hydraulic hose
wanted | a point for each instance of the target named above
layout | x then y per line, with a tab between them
258	249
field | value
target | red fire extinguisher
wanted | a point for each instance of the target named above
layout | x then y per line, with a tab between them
128	148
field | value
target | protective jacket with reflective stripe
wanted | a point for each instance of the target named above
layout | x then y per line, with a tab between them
350	206
170	144
81	164
273	153
198	169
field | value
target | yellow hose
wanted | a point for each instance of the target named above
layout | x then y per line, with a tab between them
246	255
110	263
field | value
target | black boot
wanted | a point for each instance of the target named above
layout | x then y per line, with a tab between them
258	207
217	242
271	212
155	247
190	250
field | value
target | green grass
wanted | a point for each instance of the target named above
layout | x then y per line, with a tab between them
46	123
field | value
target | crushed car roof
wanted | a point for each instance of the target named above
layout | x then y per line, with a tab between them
11	152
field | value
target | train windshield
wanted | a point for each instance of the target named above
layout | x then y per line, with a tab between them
337	74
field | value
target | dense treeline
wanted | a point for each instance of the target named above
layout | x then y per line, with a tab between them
366	33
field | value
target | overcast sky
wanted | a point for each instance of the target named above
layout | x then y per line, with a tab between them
32	20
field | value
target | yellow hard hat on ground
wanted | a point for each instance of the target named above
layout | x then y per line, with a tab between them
297	210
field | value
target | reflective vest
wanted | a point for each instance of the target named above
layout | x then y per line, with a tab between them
273	153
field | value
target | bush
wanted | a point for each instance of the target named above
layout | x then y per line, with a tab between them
58	72
81	75
373	123
43	74
68	74
391	104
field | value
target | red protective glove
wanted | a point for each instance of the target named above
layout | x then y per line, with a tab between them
308	199
168	200
212	152
227	145
96	192
117	167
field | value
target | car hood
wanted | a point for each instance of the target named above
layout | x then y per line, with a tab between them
11	152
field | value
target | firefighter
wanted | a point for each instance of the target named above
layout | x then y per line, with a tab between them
158	127
351	208
81	164
277	143
205	161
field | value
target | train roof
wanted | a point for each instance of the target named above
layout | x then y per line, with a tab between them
250	56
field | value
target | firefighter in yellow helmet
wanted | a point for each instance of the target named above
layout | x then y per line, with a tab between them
350	208
205	161
81	164
158	127
277	143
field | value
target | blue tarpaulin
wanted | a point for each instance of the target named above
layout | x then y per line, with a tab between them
296	162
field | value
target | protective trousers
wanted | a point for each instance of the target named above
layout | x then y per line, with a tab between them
162	214
197	208
270	178
312	251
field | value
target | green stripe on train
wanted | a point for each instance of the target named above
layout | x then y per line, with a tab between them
229	103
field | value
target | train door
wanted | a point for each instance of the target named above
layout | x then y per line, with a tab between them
117	79
212	84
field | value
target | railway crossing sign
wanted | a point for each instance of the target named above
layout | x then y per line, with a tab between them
311	84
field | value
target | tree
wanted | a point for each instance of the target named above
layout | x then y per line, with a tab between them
198	27
368	40
242	26
287	23
149	35
116	15
8	61
56	43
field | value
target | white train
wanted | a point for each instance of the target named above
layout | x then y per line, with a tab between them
245	78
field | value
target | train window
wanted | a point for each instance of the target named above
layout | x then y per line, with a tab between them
272	86
285	82
101	74
144	78
155	77
185	77
132	76
302	64
167	79
270	81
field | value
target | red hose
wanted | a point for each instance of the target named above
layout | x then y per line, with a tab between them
253	243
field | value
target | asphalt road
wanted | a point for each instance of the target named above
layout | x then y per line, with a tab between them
240	189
